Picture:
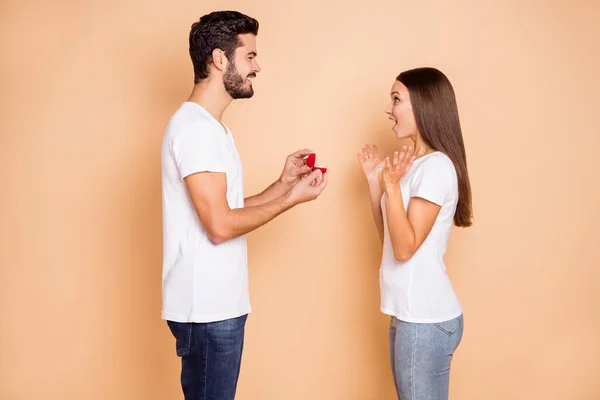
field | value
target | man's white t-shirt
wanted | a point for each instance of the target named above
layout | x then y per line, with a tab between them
419	290
201	281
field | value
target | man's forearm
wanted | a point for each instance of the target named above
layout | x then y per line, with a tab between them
240	221
274	191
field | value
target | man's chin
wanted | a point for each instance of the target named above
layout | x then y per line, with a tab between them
243	95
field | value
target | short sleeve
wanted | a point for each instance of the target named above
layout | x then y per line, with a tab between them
198	148
432	181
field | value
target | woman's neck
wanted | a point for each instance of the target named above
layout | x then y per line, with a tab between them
421	148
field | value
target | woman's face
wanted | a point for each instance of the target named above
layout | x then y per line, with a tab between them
400	111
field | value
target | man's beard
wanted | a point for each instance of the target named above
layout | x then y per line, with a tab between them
234	83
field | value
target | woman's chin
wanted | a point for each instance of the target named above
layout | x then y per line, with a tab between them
400	135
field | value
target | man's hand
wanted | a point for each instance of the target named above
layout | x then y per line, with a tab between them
294	170
309	188
295	167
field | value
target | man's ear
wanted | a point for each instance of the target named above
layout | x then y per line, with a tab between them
219	59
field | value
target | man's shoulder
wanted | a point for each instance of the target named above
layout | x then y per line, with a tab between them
185	120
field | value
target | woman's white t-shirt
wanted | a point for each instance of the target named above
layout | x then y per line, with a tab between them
419	290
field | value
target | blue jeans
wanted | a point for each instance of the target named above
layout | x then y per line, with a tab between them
421	355
211	355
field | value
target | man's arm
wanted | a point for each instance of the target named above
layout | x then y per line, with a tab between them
208	193
274	191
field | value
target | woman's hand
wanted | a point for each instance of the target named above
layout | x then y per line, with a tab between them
371	164
399	166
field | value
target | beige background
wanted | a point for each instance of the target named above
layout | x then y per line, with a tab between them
87	89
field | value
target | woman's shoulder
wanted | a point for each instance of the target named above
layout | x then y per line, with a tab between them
433	178
436	162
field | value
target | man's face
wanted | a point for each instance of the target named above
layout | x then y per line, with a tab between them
242	68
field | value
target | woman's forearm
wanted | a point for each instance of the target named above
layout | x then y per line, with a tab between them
375	193
401	232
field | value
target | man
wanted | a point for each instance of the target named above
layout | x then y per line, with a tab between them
205	214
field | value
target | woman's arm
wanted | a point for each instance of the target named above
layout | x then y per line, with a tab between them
372	165
429	187
408	230
375	193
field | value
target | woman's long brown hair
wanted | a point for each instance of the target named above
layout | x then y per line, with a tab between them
436	114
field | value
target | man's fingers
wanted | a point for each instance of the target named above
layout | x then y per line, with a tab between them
319	179
313	175
323	182
305	169
301	153
320	183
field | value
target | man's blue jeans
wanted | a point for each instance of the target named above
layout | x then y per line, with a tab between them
211	355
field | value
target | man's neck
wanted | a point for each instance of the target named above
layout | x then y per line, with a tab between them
212	96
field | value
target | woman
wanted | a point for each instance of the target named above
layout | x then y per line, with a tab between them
415	197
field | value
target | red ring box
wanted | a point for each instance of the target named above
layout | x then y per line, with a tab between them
310	161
